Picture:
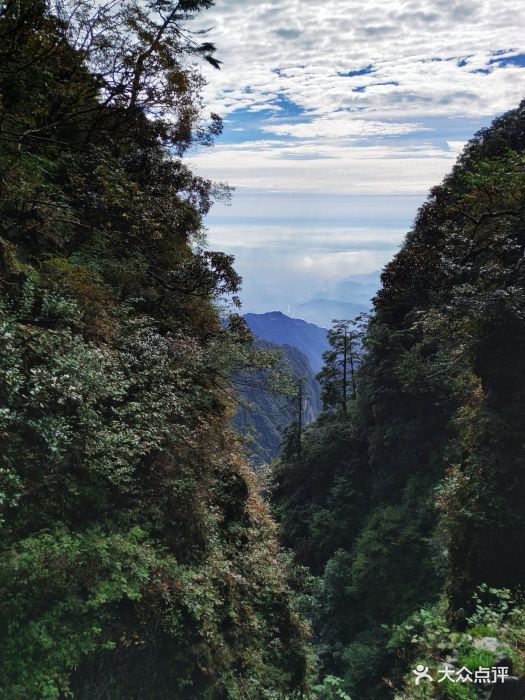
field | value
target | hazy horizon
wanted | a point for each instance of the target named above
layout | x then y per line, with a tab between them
338	120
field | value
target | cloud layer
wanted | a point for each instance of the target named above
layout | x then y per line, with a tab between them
380	60
349	98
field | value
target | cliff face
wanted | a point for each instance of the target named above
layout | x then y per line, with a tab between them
263	414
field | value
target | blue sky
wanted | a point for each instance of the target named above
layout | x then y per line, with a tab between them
339	116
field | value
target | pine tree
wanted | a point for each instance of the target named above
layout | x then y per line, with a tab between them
338	378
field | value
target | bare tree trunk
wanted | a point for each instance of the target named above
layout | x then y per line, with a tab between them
352	372
345	369
300	418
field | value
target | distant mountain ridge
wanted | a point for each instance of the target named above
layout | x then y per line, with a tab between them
339	299
327	310
278	328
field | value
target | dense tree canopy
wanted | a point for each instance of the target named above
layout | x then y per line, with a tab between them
136	558
419	489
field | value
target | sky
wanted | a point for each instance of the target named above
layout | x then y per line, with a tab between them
339	115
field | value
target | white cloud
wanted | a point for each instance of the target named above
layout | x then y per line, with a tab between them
340	124
357	72
327	166
456	146
352	97
340	265
277	276
423	54
333	239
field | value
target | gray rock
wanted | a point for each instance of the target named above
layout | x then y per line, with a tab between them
487	643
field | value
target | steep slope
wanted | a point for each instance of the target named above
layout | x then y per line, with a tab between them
416	497
136	560
264	414
283	330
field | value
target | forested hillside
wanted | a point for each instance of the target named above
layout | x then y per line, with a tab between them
409	506
265	412
136	559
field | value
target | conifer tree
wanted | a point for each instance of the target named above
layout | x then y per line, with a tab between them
339	375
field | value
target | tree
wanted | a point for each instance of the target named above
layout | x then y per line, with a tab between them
292	435
139	58
136	559
433	460
339	375
296	427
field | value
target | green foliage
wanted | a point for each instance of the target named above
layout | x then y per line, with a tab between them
137	560
338	378
425	628
426	638
363	661
331	689
320	496
387	562
420	490
41	645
